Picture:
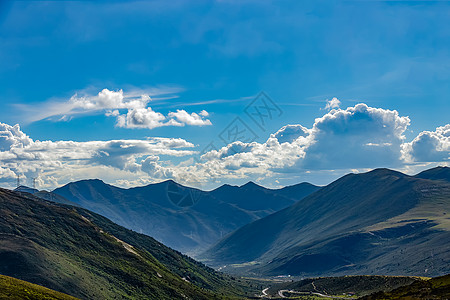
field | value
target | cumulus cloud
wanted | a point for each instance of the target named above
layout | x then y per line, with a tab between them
356	138
332	104
12	137
359	135
289	133
141	118
184	117
20	155
151	166
130	109
429	146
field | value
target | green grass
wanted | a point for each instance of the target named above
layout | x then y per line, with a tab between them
15	289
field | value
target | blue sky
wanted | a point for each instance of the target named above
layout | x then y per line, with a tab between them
134	92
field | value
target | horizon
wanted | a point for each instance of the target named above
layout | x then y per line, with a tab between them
233	185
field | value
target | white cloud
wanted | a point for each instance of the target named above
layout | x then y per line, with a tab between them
20	155
113	103
191	119
151	166
342	140
332	104
147	118
357	136
141	118
289	133
12	137
429	146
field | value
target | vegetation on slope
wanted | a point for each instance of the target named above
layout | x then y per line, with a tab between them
63	249
348	285
435	288
15	289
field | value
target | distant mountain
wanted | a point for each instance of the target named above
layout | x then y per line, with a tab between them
43	195
380	222
80	253
186	219
438	173
25	189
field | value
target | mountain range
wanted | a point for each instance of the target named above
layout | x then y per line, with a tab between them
379	222
183	218
77	252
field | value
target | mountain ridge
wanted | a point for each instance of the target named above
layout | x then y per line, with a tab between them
197	218
311	237
80	253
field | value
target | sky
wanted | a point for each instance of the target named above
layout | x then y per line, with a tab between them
214	92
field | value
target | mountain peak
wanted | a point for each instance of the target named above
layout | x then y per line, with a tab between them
250	184
93	180
437	173
384	171
25	189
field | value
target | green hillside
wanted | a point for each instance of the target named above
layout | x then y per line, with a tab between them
15	289
435	288
77	252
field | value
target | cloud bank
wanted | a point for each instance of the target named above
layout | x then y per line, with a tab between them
356	138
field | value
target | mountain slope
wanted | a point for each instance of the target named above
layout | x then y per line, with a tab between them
361	285
380	222
435	288
72	250
438	173
183	218
15	289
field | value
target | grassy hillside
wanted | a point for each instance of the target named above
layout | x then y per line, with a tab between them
435	288
186	219
380	222
77	252
15	289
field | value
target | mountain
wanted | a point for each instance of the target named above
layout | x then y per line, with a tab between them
438	173
15	289
25	189
186	219
379	222
359	285
43	195
77	252
435	288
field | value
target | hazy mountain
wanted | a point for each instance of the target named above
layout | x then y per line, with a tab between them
80	253
380	222
438	173
183	218
46	195
25	189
